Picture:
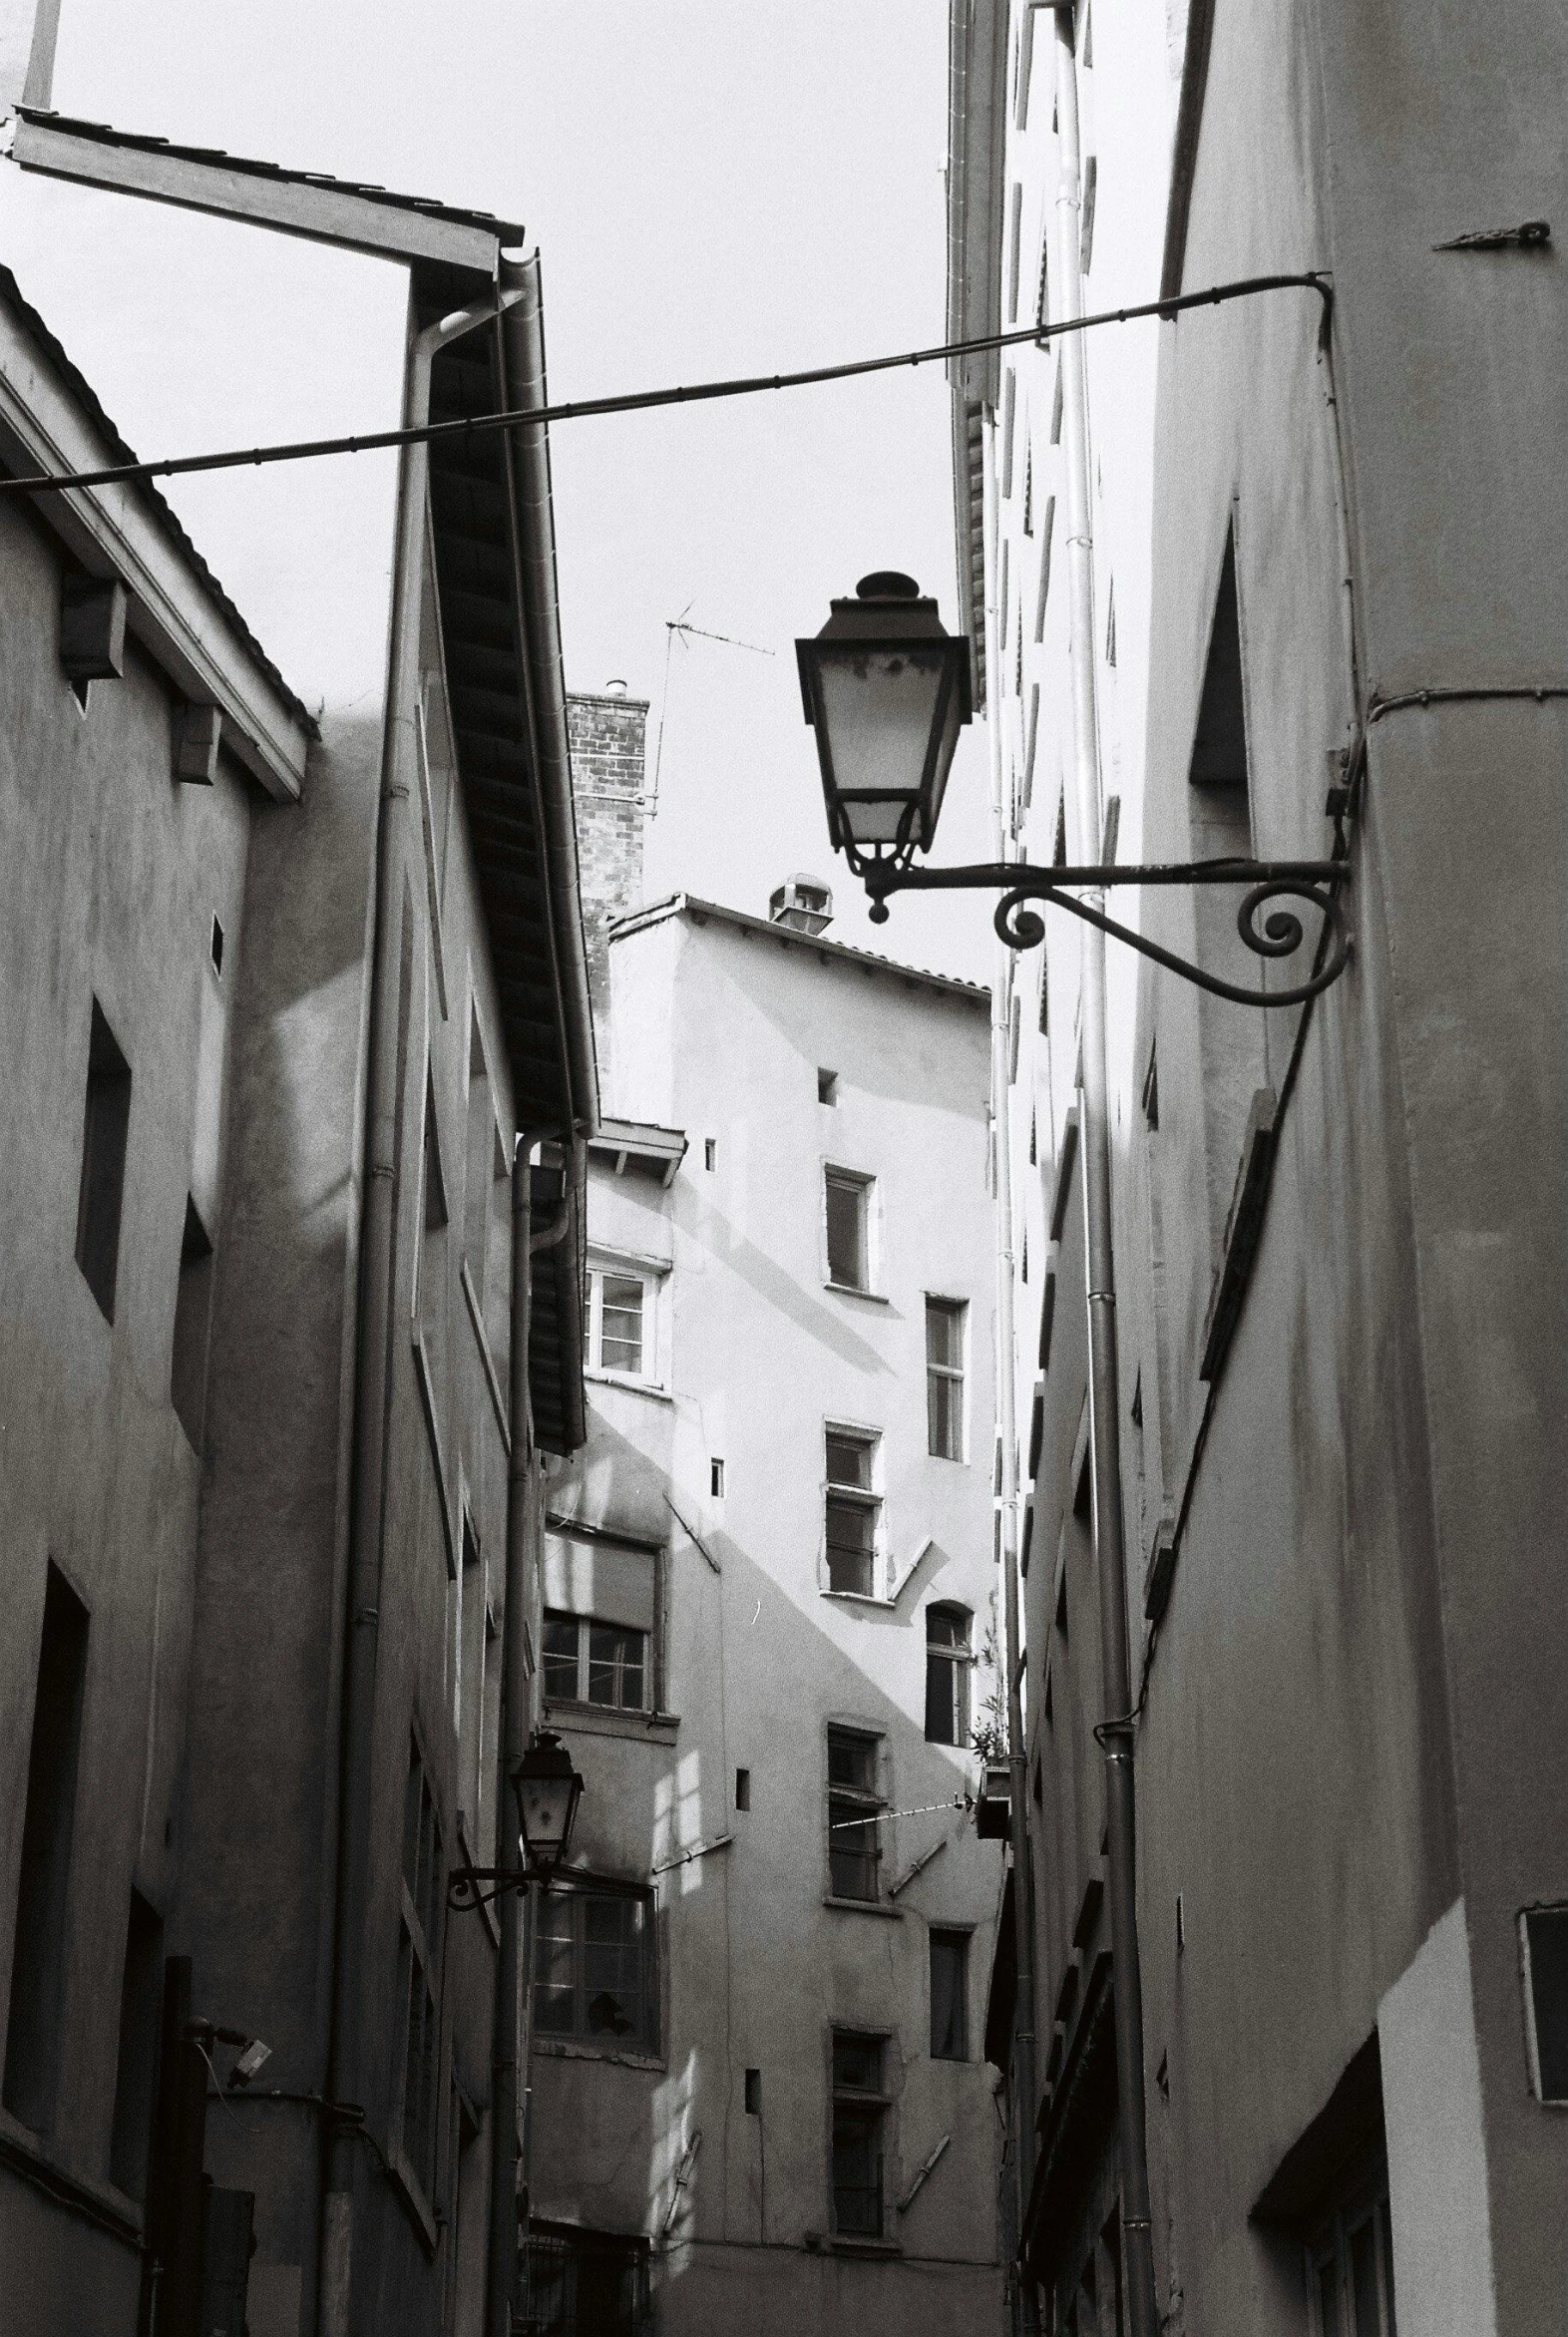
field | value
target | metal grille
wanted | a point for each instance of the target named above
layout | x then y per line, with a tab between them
582	2284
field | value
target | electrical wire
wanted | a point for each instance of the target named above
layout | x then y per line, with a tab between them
642	401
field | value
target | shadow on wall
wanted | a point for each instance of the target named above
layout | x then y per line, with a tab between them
708	1225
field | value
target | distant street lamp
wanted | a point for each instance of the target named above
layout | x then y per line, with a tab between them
887	691
546	1790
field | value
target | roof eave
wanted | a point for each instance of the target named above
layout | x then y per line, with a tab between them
224	187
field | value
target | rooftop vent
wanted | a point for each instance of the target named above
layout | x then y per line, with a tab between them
803	903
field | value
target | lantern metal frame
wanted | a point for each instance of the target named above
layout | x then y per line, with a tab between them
478	1886
1267	924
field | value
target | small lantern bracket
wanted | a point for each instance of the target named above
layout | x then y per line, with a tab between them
1271	932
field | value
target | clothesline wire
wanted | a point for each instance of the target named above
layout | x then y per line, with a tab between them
641	401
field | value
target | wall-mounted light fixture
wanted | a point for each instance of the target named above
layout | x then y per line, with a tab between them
546	1790
887	691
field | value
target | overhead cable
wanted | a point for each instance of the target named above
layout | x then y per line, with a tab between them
641	401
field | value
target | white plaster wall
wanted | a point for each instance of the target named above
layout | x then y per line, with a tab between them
1431	2097
722	1035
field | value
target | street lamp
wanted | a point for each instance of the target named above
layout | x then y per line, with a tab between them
546	1790
887	691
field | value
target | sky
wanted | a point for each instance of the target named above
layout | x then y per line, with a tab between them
715	187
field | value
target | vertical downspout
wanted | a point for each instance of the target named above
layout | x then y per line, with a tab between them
501	2281
1115	1732
373	1344
1002	1127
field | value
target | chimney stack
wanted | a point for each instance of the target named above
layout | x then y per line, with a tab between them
803	903
607	733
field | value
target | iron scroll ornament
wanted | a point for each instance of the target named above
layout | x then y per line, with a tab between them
1271	933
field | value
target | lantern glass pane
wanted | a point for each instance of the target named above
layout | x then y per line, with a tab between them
878	706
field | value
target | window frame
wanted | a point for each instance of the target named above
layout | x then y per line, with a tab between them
586	1625
874	1801
578	1892
869	1498
958	1656
865	1184
421	1905
872	2104
1362	2203
954	1310
948	1935
651	1273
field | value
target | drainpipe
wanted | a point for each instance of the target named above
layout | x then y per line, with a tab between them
1024	2031
501	2282
1115	1732
374	1333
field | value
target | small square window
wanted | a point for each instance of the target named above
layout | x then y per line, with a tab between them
709	1152
753	2092
827	1086
593	1972
743	1789
716	1478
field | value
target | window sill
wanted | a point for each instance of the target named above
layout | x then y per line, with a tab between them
865	1907
851	1290
843	2244
630	1383
598	1720
861	1599
575	2048
410	2190
40	2163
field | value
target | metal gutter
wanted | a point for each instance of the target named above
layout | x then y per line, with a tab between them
521	331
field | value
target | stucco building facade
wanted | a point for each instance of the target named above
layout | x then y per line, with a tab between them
1327	556
287	997
757	2007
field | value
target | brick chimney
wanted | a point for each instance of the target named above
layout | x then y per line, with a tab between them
607	731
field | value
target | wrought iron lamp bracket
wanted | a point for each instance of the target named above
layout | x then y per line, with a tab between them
466	1884
1269	932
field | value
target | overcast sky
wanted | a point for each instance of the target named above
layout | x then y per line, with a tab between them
716	188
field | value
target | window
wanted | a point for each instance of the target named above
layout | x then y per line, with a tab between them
217	946
949	1662
855	1806
419	1948
32	2045
618	1322
743	1789
716	1478
104	1129
860	2110
430	1297
471	1665
827	1088
1543	1941
945	1324
753	2092
192	1316
483	1141
594	1978
1043	593
1349	2270
854	1512
847	1203
711	1152
136	2062
580	2283
600	1603
950	2028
